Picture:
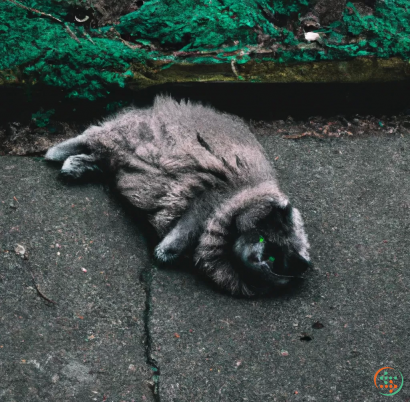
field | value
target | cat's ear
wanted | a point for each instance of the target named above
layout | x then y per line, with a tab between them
265	212
279	218
248	218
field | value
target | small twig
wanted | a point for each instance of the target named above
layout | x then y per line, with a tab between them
298	136
71	33
39	292
126	43
198	53
88	37
33	10
234	70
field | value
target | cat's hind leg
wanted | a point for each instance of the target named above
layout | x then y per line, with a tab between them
76	165
73	146
78	154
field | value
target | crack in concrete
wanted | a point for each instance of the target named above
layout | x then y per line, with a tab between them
146	277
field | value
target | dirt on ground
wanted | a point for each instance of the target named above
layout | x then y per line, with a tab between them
17	138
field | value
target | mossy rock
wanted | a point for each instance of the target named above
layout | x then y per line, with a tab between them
88	48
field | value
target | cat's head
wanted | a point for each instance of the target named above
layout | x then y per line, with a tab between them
273	249
254	242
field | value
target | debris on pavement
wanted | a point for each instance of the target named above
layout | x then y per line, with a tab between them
19	139
318	325
19	249
335	127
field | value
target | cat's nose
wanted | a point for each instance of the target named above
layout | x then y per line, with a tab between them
256	253
254	257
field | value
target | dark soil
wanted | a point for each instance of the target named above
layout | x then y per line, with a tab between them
294	111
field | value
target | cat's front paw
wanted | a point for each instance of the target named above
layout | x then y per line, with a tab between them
165	254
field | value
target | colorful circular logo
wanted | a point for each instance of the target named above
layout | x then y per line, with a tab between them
388	381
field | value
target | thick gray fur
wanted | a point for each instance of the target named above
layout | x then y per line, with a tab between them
205	183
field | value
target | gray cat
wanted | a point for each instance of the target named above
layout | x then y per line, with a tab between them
206	185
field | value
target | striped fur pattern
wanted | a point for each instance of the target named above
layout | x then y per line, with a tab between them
206	186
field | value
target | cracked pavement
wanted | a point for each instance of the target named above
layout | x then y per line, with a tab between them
127	331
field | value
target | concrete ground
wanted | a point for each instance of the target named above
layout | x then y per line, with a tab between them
127	331
85	256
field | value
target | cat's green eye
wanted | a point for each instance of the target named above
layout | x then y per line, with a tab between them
271	258
261	239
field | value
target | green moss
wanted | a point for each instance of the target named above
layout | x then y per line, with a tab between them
165	38
57	8
114	106
42	118
203	24
387	31
40	49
